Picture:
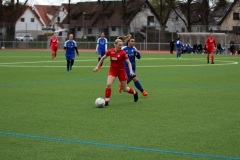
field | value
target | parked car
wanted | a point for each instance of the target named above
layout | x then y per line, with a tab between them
24	37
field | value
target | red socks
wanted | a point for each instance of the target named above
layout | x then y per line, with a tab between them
108	92
131	91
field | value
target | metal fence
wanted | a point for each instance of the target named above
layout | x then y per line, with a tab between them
92	45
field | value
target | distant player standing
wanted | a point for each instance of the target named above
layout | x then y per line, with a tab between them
132	52
54	46
70	47
179	47
117	69
210	45
101	47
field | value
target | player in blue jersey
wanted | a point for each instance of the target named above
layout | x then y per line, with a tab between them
179	47
132	52
101	47
70	47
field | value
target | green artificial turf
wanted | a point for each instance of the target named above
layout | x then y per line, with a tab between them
191	112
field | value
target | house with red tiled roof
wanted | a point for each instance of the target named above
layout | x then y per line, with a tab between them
46	14
92	18
60	15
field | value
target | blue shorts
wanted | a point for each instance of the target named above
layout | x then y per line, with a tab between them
70	57
101	52
128	73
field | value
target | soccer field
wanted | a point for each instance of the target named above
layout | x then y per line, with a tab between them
191	113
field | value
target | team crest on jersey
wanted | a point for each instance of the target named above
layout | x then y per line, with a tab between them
118	55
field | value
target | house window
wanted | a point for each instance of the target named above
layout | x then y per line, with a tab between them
62	9
235	16
22	19
113	28
89	30
32	19
58	19
78	28
150	19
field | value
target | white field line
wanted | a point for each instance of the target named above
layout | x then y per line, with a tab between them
15	64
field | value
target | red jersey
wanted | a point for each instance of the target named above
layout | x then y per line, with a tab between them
210	42
54	42
117	59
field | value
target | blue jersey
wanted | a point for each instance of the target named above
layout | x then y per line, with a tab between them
70	47
131	52
179	45
101	45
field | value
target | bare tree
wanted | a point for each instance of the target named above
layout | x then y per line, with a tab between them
163	9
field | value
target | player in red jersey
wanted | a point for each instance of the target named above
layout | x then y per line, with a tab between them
117	69
54	46
210	45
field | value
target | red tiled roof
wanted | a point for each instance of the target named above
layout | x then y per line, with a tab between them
43	10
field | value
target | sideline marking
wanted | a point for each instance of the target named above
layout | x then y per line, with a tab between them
119	146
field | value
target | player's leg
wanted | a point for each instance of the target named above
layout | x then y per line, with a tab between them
99	56
102	54
123	80
212	58
139	86
71	64
108	89
68	65
129	77
211	51
53	53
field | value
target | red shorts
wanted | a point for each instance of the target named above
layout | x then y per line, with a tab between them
210	50
54	49
122	76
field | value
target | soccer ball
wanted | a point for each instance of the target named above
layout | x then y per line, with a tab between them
100	102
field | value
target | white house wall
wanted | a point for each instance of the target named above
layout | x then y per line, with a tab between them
141	18
28	27
176	25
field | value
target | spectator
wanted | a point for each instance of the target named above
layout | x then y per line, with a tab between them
232	47
172	46
219	49
184	48
238	52
195	47
200	48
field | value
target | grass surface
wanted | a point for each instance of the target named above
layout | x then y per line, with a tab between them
191	112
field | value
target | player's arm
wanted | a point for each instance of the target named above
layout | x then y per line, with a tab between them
97	45
106	44
99	63
65	46
129	66
76	49
206	43
138	55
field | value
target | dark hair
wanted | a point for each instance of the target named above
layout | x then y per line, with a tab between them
178	38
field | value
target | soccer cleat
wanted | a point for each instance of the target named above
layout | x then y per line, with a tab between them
212	62
135	96
106	103
144	93
68	72
120	88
